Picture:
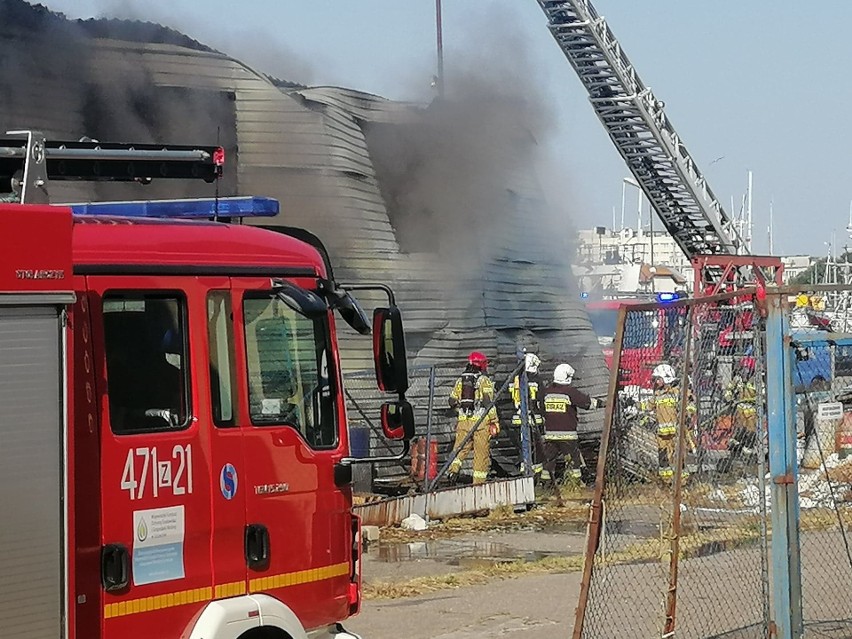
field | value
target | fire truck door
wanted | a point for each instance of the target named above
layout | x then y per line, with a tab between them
155	452
222	414
298	531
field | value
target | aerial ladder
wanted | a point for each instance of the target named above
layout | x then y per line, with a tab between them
638	126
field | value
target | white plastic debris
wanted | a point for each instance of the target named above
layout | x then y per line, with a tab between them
750	496
413	522
718	495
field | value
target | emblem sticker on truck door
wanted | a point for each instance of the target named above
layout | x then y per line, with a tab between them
228	481
158	536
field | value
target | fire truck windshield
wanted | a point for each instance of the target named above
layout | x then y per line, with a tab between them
289	376
640	332
604	321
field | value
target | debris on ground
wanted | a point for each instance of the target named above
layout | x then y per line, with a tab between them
370	534
573	515
414	522
818	488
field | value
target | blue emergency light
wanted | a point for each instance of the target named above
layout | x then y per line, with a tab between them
205	208
667	297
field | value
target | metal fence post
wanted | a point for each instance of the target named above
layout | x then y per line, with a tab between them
677	493
526	451
786	568
596	508
760	377
426	481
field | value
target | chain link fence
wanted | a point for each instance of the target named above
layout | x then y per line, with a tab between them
679	528
680	535
822	384
435	431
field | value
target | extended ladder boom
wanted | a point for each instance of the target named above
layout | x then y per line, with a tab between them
641	132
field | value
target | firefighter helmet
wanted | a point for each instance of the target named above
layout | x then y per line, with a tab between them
531	363
17	182
665	373
563	374
479	360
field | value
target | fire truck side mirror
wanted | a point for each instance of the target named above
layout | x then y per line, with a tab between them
398	420
389	350
115	567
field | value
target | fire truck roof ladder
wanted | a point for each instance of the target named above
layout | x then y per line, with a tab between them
39	160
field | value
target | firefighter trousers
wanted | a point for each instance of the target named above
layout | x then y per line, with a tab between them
667	451
665	454
480	443
562	449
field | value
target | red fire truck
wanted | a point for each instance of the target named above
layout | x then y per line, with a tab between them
173	443
651	336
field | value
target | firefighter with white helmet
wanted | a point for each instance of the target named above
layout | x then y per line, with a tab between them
561	400
472	393
664	404
16	185
536	419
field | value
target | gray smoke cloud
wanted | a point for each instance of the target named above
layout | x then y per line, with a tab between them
464	179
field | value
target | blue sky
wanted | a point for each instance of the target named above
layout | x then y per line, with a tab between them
763	85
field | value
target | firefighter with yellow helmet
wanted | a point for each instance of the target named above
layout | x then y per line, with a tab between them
472	393
536	419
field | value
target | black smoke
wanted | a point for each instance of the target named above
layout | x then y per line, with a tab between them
48	60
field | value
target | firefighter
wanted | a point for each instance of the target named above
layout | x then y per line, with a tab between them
471	396
16	182
536	420
664	406
561	401
741	395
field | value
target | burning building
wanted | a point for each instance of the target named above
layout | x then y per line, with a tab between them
399	192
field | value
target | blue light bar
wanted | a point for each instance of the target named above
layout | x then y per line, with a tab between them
205	208
667	297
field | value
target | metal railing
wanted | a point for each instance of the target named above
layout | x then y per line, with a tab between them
511	451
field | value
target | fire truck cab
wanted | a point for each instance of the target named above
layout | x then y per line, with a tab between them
173	435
